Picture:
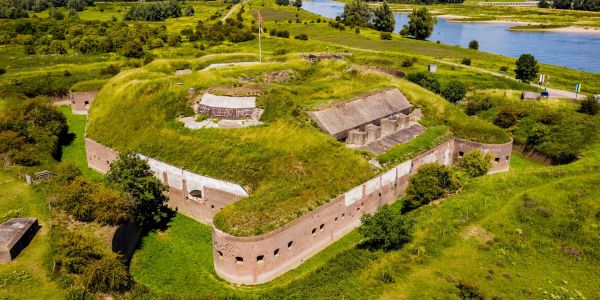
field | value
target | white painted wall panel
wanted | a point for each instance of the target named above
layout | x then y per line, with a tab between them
403	168
353	195
372	186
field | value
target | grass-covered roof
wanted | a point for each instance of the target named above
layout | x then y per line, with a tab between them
288	165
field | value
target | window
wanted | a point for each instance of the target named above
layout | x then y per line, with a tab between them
335	221
343	215
220	254
212	207
314	231
260	259
290	244
239	260
321	227
497	159
507	157
460	153
276	252
86	103
379	194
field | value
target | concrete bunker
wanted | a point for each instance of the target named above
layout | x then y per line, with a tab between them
15	235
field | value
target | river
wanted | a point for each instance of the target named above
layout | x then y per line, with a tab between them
578	51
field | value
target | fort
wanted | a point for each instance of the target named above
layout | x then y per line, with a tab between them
249	245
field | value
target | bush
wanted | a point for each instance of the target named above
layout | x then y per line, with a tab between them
133	49
466	61
385	35
302	37
107	274
189	11
475	163
526	68
503	69
589	106
283	34
476	105
110	70
2	71
454	91
386	229
432	181
474	44
409	62
508	117
425	79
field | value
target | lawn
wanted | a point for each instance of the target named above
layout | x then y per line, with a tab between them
27	277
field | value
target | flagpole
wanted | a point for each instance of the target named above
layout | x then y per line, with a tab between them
259	30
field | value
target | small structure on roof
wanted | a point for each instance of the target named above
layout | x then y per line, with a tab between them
226	107
183	72
526	95
81	102
15	235
314	57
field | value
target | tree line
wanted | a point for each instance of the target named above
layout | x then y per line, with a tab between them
588	5
14	9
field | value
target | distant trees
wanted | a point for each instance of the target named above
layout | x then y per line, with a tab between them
131	174
421	24
589	5
475	163
526	68
474	44
357	13
297	4
156	11
544	4
386	229
383	18
282	2
432	181
14	9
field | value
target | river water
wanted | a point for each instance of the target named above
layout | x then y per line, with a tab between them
579	51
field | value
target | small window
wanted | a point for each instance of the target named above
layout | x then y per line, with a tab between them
460	153
343	215
362	204
212	207
379	194
321	227
276	252
314	231
260	259
497	159
290	244
335	221
239	260
507	157
220	254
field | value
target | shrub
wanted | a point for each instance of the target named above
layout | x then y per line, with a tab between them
409	62
283	34
426	80
432	181
386	229
72	252
503	69
476	105
385	35
475	163
466	61
110	70
589	106
107	274
302	37
2	71
189	11
508	117
454	91
356	30
474	44
133	49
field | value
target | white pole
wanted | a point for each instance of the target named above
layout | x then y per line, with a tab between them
259	46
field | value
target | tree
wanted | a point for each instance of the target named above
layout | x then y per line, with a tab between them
357	13
527	68
132	175
544	4
475	163
107	274
133	49
454	91
421	24
298	4
282	2
189	11
426	80
383	18
589	106
432	181
386	229
474	44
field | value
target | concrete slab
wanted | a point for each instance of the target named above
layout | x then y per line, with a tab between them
15	235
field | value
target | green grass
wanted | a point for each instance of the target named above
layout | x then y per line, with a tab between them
26	277
75	151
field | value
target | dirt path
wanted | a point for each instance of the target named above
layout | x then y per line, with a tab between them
234	8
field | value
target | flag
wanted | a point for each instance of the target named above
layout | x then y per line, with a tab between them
578	88
260	20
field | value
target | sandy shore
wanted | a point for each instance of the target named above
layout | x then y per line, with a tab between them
573	29
569	29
